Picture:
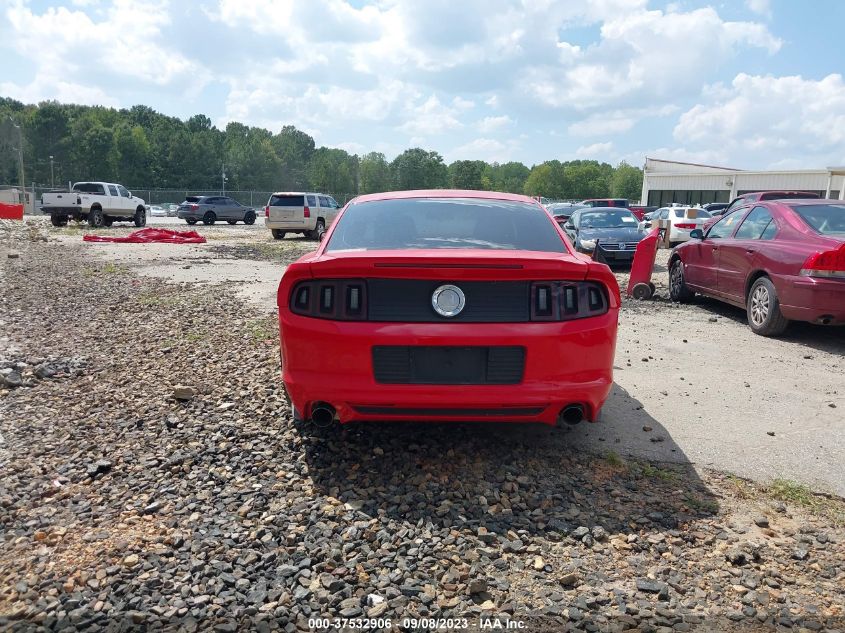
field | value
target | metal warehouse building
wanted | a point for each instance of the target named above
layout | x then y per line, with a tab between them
666	181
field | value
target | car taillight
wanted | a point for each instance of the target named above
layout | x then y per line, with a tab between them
339	299
825	264
194	207
306	212
566	300
685	226
267	212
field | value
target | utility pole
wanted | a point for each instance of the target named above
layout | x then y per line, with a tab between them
20	156
52	180
223	177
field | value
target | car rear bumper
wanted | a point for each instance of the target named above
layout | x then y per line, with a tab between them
189	215
565	363
813	299
288	225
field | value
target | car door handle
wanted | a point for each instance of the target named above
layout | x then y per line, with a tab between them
750	250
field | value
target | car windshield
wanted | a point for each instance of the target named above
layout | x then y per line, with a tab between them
427	223
192	198
89	187
608	220
827	219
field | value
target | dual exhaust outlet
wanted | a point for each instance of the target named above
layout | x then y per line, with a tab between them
324	415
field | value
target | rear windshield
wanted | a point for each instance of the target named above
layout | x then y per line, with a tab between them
827	219
89	187
445	223
607	219
689	213
193	198
287	201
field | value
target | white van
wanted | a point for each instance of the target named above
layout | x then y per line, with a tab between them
300	212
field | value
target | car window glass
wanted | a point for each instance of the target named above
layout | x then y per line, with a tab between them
754	224
113	191
324	202
724	227
334	203
679	213
827	219
123	192
312	201
445	223
769	231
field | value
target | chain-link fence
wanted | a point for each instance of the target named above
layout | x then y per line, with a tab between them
256	199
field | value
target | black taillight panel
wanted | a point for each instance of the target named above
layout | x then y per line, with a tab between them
567	300
337	299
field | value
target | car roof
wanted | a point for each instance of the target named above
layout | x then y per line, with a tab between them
803	201
592	209
446	193
299	193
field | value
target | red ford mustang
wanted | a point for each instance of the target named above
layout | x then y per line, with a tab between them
447	305
780	260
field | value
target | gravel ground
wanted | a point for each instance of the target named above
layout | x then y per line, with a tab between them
124	507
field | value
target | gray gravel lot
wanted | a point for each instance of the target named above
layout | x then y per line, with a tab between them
123	507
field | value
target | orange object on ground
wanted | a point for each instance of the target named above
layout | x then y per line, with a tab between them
11	211
148	236
639	282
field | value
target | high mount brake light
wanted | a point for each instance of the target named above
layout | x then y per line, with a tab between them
825	264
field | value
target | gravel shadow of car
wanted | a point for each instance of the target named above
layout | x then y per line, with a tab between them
528	480
822	337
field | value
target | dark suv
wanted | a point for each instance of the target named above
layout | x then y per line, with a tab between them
209	209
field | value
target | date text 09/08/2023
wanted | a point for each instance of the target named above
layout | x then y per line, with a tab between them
414	624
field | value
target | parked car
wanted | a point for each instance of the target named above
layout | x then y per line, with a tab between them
157	211
716	208
747	199
209	209
561	211
447	305
640	211
780	260
172	209
605	202
309	214
681	221
98	203
608	233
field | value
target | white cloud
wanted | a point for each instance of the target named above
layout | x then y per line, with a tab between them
430	118
597	151
488	149
771	119
490	123
762	7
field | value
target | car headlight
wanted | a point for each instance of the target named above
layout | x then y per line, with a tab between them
588	244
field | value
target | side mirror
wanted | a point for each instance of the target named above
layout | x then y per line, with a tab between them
569	226
696	234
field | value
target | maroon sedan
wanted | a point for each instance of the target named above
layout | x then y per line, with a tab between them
780	260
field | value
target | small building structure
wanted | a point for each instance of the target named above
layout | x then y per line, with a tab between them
666	181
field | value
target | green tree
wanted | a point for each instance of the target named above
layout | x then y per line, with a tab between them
547	179
467	174
294	149
508	177
375	173
333	171
587	179
418	169
627	182
133	156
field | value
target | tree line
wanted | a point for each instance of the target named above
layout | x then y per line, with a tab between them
142	148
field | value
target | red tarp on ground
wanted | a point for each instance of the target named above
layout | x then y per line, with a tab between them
146	236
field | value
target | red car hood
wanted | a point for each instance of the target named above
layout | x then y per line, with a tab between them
467	264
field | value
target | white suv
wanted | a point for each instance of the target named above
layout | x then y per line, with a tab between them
300	212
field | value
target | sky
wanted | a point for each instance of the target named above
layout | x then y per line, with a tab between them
753	84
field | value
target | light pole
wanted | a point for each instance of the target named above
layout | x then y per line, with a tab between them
223	177
52	180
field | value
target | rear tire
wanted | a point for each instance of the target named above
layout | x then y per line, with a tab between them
278	234
232	222
58	220
95	218
191	221
763	309
678	289
209	218
140	218
249	217
318	231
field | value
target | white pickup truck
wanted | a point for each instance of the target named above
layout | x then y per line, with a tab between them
99	203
